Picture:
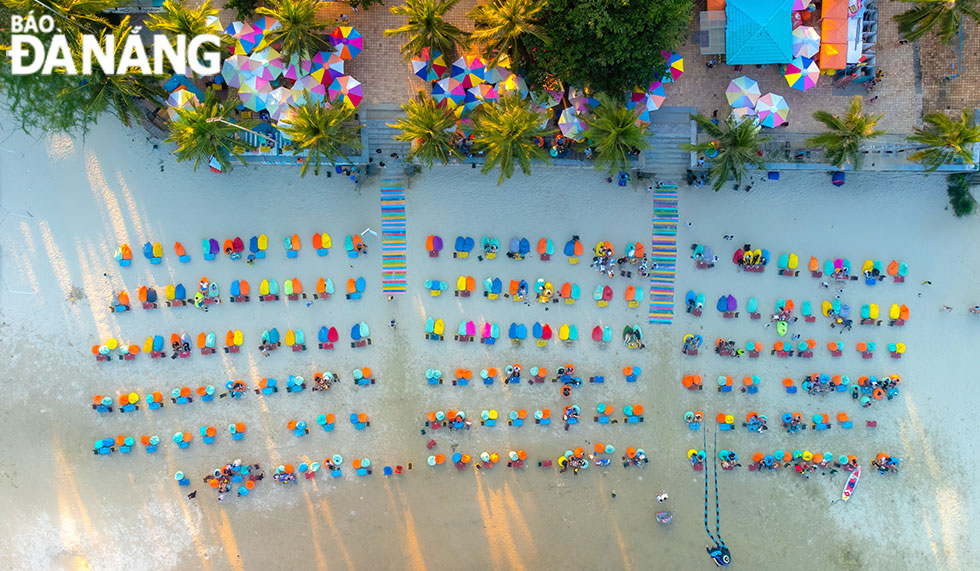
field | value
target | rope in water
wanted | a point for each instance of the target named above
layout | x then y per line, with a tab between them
704	439
717	507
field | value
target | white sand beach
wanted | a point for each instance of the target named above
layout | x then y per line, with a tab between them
68	203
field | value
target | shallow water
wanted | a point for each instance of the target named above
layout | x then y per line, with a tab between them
65	508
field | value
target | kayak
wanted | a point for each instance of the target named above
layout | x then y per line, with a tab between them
851	483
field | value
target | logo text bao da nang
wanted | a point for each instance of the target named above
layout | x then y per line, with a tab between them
28	54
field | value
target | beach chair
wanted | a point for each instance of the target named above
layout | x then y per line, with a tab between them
295	384
237	430
267	386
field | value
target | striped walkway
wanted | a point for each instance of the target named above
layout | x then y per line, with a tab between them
664	253
394	264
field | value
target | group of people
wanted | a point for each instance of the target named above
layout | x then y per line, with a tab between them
322	382
633	338
605	264
181	348
638	460
221	478
885	464
728	349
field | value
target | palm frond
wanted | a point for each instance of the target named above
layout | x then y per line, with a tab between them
427	27
326	134
429	128
301	29
505	132
737	144
614	134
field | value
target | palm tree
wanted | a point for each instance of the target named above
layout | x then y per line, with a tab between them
71	16
324	133
945	16
506	133
299	29
614	134
843	143
429	128
205	131
947	141
501	25
177	18
426	27
102	92
737	145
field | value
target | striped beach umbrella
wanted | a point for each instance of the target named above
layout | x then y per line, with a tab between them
254	93
570	124
745	113
772	109
347	42
802	73
297	68
513	84
330	62
266	64
214	24
742	92
448	92
347	90
235	69
675	66
650	98
246	38
806	42
312	87
469	71
181	99
499	72
484	92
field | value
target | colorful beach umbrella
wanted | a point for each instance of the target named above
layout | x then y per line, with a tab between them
465	126
297	68
742	113
484	92
806	42
650	98
181	99
448	92
545	98
513	84
266	24
254	93
468	70
330	62
802	73
800	5
278	101
742	92
246	38
421	68
312	87
772	109
570	124
213	24
581	99
345	89
347	42
235	70
498	72
643	119
266	64
675	66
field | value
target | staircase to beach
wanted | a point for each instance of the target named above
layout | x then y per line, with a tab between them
664	254
394	261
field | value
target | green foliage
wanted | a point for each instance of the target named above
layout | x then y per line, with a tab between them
842	142
325	133
737	145
506	133
427	27
501	26
177	18
205	131
243	8
947	141
430	130
301	28
609	45
958	190
943	16
63	103
613	131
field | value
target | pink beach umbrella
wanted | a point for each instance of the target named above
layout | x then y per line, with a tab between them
675	66
277	102
313	88
246	38
297	68
254	93
651	98
347	42
772	109
235	69
484	92
802	73
347	90
330	62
